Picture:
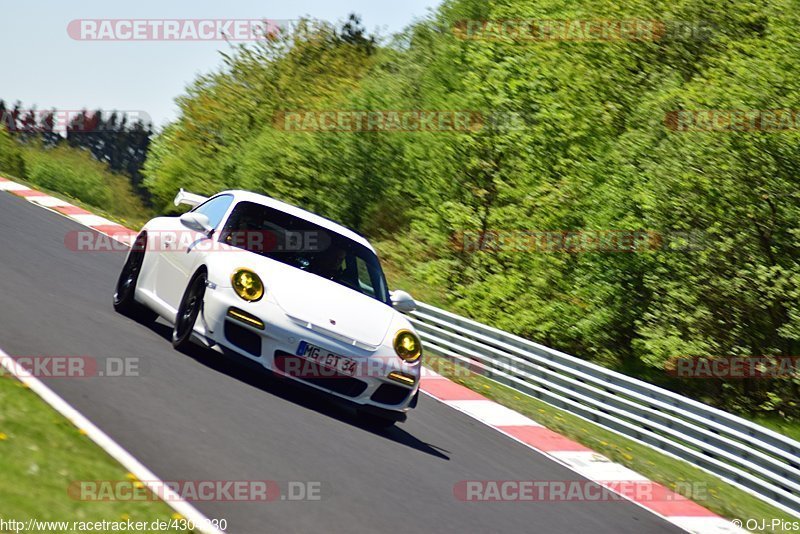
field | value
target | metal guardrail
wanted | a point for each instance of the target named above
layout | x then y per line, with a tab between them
747	455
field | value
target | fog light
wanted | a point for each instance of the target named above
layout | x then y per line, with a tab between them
246	318
402	378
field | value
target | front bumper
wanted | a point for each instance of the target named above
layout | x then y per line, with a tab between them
274	344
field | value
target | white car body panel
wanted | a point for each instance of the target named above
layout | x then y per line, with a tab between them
297	305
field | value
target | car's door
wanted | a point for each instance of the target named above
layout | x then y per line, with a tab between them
187	250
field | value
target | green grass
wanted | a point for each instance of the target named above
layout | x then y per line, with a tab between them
73	175
790	429
134	217
719	497
41	453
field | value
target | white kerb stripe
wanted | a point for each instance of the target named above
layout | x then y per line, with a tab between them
110	446
91	220
707	525
597	467
12	186
492	413
49	201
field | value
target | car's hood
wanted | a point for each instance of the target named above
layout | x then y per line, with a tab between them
329	307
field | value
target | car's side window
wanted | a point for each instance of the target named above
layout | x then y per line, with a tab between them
215	209
364	278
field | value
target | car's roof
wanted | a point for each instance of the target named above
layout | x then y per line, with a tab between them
270	202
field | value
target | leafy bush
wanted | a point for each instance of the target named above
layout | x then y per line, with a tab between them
11	160
69	171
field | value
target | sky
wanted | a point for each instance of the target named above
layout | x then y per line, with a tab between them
48	68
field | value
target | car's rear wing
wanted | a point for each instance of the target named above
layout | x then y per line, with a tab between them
184	197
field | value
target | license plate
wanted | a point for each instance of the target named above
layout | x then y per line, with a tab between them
327	359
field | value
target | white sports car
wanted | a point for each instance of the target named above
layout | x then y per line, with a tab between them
303	296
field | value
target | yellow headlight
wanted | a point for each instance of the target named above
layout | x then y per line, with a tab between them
407	345
247	285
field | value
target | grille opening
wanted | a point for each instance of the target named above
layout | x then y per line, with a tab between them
243	338
390	394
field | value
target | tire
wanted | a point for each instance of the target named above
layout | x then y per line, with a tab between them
124	301
374	421
191	304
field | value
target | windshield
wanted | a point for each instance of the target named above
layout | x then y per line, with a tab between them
305	246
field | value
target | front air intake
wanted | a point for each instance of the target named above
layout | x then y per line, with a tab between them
242	338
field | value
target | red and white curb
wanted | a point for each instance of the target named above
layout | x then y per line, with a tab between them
86	218
658	499
662	501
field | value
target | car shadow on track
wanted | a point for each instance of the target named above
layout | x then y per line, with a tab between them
253	374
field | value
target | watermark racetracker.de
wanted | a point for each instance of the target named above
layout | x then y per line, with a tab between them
70	366
735	367
262	241
60	120
733	120
176	29
575	241
132	490
536	30
396	121
174	524
576	490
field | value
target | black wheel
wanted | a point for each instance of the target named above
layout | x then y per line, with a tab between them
374	421
124	301
190	307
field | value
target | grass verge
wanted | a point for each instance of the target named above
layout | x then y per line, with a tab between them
789	429
73	175
131	216
41	453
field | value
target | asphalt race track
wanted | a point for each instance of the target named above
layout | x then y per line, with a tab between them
199	416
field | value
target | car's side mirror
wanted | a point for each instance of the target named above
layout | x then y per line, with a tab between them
197	222
402	301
